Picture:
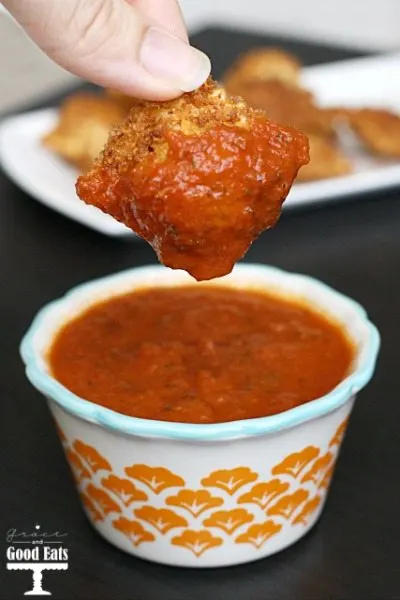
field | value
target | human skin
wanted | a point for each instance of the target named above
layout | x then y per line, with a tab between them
139	47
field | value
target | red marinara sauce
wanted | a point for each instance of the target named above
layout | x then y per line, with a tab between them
203	354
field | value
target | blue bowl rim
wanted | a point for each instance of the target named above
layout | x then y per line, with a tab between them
123	424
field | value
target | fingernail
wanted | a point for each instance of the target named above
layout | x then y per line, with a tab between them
170	59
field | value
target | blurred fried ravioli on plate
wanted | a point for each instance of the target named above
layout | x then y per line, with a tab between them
326	160
378	130
125	101
84	124
290	106
262	64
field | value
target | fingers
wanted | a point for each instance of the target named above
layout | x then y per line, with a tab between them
114	44
168	14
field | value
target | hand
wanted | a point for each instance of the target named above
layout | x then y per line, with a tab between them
139	47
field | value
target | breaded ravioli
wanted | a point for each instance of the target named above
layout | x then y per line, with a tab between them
326	160
85	122
378	129
199	177
289	106
262	64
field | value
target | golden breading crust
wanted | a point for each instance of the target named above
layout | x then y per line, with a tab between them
199	177
262	64
326	160
289	106
378	129
85	121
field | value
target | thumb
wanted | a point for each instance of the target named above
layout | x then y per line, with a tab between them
113	44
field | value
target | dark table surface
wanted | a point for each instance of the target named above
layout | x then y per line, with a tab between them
353	553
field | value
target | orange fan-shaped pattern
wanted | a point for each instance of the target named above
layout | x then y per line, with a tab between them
291	497
194	501
295	463
162	519
287	505
92	457
197	542
133	530
259	533
155	478
124	490
229	520
264	493
230	480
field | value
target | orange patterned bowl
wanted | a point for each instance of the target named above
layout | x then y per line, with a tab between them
202	495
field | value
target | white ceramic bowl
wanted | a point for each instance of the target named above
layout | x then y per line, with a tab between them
202	495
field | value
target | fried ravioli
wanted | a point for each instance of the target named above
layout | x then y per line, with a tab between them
378	130
289	106
262	64
199	177
326	160
83	128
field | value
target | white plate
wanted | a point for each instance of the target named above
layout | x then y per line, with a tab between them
362	82
43	175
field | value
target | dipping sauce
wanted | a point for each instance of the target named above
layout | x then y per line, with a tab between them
200	354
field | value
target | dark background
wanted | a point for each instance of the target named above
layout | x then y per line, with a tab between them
353	553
